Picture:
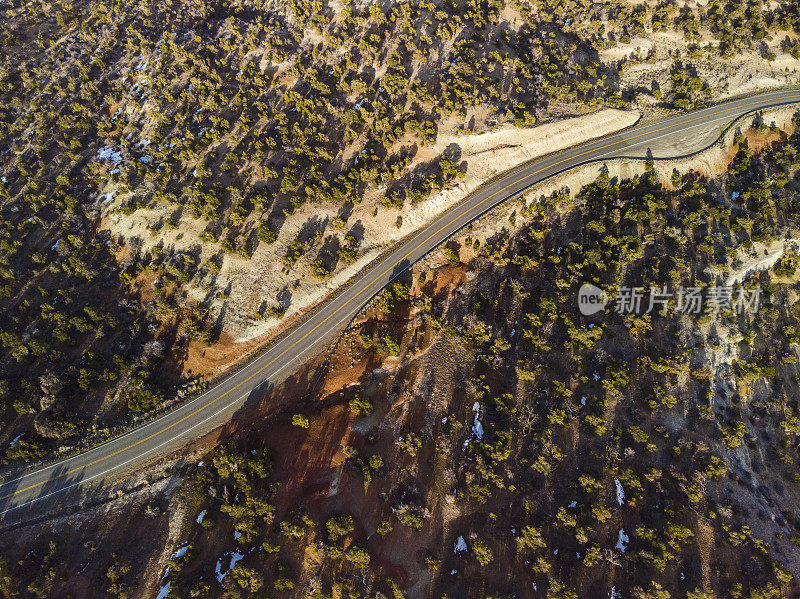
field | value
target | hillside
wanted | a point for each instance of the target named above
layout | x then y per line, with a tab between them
475	435
179	180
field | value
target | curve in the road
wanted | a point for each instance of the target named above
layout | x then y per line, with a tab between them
216	405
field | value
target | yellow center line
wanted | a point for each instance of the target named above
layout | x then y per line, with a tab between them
372	282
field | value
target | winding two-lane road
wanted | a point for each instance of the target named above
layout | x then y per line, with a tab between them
48	486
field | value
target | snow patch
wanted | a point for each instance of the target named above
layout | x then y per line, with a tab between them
107	153
620	491
235	557
622	541
461	545
164	591
107	197
477	427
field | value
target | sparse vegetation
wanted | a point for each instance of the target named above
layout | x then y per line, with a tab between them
496	438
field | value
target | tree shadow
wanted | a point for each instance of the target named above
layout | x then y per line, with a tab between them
400	269
61	494
284	297
270	398
357	231
311	228
345	210
329	252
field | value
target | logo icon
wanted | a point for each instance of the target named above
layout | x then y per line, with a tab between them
591	299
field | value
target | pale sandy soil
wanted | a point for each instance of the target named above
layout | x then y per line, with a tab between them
742	74
491	153
762	257
260	280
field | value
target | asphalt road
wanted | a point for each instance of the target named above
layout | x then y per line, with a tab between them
57	486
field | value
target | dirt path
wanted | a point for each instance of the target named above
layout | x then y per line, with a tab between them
772	253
